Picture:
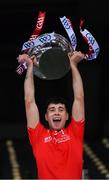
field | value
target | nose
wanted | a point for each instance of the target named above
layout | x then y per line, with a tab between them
56	111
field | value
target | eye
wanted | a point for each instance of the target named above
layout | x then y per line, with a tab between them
51	110
61	109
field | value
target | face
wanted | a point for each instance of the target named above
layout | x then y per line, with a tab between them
56	116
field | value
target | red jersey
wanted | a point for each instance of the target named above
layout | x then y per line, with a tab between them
59	154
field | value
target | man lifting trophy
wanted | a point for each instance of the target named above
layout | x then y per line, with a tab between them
57	149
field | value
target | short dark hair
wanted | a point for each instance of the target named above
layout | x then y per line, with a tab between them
56	100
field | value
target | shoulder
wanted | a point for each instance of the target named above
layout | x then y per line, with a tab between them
37	128
76	124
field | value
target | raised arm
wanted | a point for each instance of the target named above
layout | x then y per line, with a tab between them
78	112
32	112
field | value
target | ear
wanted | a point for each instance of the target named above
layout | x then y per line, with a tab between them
67	116
46	117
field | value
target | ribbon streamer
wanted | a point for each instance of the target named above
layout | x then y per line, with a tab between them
69	29
34	35
94	48
92	43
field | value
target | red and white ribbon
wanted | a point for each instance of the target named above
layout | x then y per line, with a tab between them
39	25
94	48
70	32
34	35
92	43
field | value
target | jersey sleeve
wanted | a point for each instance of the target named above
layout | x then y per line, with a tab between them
77	127
34	133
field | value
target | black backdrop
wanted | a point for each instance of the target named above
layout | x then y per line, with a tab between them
17	22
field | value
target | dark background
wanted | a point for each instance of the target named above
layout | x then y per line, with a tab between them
17	22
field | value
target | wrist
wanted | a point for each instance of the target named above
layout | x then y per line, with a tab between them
74	64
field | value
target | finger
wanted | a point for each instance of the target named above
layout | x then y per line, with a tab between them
85	56
70	54
34	60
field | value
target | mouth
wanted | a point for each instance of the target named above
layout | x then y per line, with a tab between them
56	119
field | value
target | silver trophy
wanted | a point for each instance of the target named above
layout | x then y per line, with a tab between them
50	55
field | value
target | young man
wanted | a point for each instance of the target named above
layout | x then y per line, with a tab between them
58	150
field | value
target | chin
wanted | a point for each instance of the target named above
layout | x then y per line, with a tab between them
57	128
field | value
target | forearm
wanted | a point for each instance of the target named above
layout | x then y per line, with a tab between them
78	111
77	83
29	84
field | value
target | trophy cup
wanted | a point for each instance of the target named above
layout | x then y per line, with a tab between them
50	56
